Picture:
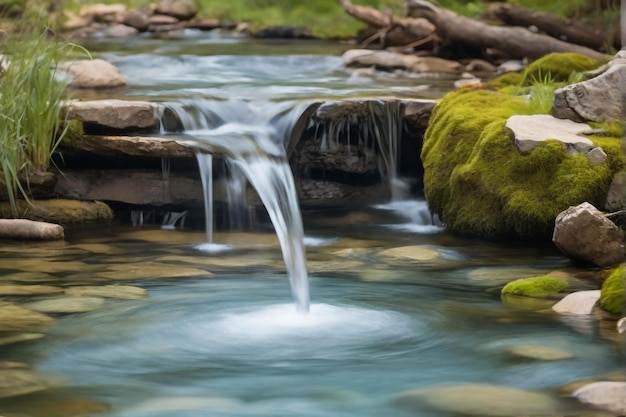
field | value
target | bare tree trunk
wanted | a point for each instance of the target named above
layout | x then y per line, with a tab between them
513	41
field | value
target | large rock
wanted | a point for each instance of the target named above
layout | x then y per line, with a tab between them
29	229
114	115
141	146
60	211
607	395
584	233
16	318
181	9
137	20
598	99
93	73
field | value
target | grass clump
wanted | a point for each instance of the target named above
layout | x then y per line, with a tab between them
540	286
612	293
558	67
480	185
31	97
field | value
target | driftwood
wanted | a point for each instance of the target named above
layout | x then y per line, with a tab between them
513	41
569	30
420	30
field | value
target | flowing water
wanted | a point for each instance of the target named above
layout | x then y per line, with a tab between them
398	308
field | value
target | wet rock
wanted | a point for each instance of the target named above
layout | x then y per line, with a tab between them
621	325
181	9
542	353
341	265
136	19
578	303
131	145
121	31
16	382
30	230
530	131
150	270
122	292
583	232
29	290
61	211
66	305
93	73
526	303
606	395
35	266
413	253
221	261
16	318
204	24
114	115
480	400
20	338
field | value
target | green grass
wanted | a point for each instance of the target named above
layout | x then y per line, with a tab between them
31	97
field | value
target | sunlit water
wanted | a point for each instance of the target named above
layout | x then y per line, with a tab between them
225	339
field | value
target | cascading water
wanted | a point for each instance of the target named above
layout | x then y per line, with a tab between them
252	137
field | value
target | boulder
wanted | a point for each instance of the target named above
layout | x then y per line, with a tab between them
114	115
121	30
28	229
578	303
584	233
137	20
606	395
181	9
93	73
598	99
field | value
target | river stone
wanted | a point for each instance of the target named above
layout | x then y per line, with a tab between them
66	305
481	400
585	233
98	248
121	31
530	131
606	395
341	265
20	338
136	19
113	114
122	292
61	211
181	9
220	261
16	318
93	73
414	253
31	277
542	353
43	265
150	270
29	290
521	302
497	275
30	230
578	303
353	252
15	382
616	196
621	325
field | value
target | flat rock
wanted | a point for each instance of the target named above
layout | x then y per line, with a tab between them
150	270
122	292
393	60
29	290
542	353
61	211
20	338
181	9
16	318
93	73
530	131
30	230
579	303
66	305
112	114
606	395
414	253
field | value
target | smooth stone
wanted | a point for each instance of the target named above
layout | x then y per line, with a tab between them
219	261
94	73
542	353
481	400
579	303
66	305
150	270
30	230
43	265
16	318
498	275
607	395
98	248
31	277
122	292
414	253
169	237
353	252
20	338
621	325
16	382
529	131
29	290
333	266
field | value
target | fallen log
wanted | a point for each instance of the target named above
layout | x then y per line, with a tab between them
515	42
30	230
568	30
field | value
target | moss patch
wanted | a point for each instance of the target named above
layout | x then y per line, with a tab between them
59	211
612	294
480	185
540	287
558	67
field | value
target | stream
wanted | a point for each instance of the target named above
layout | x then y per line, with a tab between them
404	318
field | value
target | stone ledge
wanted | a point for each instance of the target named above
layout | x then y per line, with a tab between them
132	146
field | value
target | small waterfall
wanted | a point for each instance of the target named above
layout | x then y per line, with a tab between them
252	137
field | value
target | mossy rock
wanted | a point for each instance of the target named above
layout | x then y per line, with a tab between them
612	295
558	67
480	185
59	211
539	287
505	80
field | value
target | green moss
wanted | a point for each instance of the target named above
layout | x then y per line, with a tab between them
612	295
558	67
540	287
59	211
480	185
505	80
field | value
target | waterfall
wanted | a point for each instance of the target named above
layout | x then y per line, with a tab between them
252	137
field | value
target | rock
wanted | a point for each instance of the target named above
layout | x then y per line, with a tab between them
596	156
150	270
66	305
621	325
616	196
181	9
414	253
162	20
583	232
93	73
16	382
388	60
122	292
606	395
137	20
540	286
542	353
578	303
20	338
16	318
114	115
204	24
61	211
142	146
530	131
29	290
29	229
417	112
480	400
72	21
121	31
598	99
